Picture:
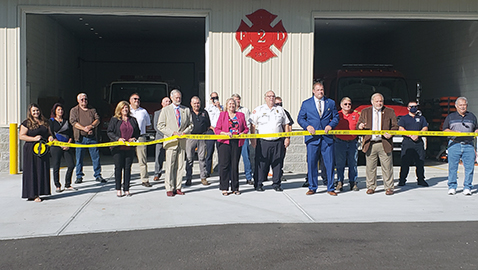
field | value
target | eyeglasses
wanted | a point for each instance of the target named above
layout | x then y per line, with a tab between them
270	96
136	98
347	104
412	107
214	97
83	99
279	104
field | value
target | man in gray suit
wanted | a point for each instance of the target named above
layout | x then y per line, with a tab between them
159	153
175	119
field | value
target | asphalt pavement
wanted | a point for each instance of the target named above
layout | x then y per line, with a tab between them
416	228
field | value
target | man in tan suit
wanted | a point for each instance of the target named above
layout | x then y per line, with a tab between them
175	119
377	147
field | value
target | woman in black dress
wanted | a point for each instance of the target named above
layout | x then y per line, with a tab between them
36	170
123	127
61	131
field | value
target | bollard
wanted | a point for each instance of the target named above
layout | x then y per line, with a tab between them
13	148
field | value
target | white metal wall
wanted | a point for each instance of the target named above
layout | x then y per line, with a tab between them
290	74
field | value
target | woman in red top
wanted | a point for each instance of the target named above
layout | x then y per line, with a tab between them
123	127
229	151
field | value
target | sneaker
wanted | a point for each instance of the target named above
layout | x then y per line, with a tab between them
451	191
79	180
467	192
339	186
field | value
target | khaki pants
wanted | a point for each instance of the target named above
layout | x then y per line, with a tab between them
141	153
374	153
174	168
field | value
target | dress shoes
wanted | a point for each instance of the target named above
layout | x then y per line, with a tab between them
179	192
305	184
156	178
188	182
146	184
310	192
259	189
401	183
205	182
422	183
250	182
100	179
332	193
370	191
278	188
354	186
170	194
389	192
79	180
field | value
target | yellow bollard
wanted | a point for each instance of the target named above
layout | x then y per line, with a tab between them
13	148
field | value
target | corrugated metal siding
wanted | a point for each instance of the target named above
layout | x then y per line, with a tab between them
230	71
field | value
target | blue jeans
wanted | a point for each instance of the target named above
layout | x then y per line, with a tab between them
346	151
245	158
94	154
465	152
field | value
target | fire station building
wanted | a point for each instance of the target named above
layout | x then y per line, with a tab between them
51	50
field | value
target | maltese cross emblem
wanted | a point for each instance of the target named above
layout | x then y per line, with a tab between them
261	35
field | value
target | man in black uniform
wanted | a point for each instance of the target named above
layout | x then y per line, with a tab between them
413	149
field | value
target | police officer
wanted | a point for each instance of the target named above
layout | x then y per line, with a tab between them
269	118
413	149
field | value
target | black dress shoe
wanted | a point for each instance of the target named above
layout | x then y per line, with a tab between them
100	179
279	188
259	189
250	182
401	183
189	182
422	183
305	184
79	180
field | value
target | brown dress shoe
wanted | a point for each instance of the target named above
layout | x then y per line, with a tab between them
146	184
156	178
179	192
389	192
370	191
332	193
169	193
205	182
310	192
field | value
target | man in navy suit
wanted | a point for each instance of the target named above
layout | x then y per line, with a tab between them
319	113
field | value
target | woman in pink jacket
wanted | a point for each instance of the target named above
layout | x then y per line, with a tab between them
229	151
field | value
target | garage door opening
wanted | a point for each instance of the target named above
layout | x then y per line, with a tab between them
439	54
72	53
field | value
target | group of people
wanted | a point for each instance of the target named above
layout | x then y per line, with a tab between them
259	155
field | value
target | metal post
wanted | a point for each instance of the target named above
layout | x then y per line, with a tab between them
13	148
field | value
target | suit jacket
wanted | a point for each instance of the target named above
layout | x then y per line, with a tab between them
308	115
223	125
167	124
389	122
159	135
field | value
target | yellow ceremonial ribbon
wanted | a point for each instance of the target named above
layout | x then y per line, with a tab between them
277	135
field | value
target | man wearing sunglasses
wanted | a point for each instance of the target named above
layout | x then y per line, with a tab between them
142	116
346	145
461	147
413	147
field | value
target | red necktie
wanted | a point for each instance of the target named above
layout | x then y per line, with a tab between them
178	117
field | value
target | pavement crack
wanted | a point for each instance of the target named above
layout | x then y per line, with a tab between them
299	207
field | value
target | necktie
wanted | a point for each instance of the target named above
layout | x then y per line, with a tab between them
320	108
178	117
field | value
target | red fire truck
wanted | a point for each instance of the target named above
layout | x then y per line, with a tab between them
361	81
150	92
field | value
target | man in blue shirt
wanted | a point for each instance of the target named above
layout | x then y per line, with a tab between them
413	148
460	147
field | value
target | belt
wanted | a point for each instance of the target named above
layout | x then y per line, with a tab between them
270	140
376	141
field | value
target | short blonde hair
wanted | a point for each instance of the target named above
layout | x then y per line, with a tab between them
119	107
